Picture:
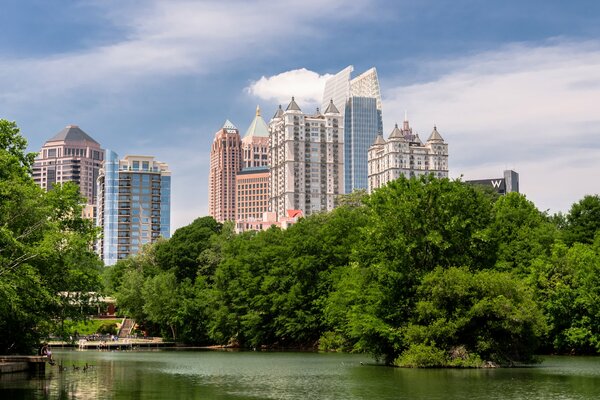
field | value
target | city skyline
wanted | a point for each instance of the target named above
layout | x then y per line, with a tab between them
512	85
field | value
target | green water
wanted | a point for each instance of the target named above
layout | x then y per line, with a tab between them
270	375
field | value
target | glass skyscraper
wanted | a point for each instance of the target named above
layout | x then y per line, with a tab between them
361	124
134	205
359	99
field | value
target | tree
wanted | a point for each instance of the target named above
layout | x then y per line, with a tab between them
45	251
470	316
583	221
521	231
415	225
180	253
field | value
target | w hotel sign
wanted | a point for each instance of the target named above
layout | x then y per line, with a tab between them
508	184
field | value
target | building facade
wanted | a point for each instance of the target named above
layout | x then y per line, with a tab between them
70	156
307	160
255	144
225	162
359	100
507	184
134	205
252	189
268	220
404	154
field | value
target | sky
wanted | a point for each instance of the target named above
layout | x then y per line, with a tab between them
509	84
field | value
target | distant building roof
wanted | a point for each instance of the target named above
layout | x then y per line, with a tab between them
258	127
293	106
72	133
435	136
396	133
278	113
229	125
331	108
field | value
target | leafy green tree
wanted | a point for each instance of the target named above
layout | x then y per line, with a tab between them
568	290
470	316
522	232
415	225
47	266
583	221
180	253
162	301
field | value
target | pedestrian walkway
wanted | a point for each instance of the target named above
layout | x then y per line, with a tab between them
126	328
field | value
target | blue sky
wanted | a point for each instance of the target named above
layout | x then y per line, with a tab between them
509	84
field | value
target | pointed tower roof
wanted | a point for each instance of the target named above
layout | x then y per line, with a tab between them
72	133
228	125
278	113
435	136
396	133
293	106
258	127
331	108
379	140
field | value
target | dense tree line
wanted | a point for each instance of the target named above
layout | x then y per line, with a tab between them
423	272
48	270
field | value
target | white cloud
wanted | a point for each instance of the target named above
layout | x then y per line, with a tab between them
165	38
532	109
306	86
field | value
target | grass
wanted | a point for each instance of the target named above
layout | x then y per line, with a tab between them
91	326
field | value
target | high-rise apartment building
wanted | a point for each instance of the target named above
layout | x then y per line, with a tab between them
134	205
225	162
70	156
404	154
306	153
359	100
252	182
255	144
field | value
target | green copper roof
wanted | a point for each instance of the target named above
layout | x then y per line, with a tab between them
258	127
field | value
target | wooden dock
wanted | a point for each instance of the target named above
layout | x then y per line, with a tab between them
34	364
121	344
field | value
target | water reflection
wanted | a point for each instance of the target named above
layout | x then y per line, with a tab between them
257	375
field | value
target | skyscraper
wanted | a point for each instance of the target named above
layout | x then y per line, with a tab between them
134	205
403	154
70	156
255	144
252	182
306	159
359	100
225	162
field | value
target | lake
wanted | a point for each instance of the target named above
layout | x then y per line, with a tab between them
225	375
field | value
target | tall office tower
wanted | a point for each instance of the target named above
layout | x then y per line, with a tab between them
134	205
255	144
70	156
225	163
306	159
404	154
359	99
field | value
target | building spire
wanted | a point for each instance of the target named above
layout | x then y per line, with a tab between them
258	111
405	126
